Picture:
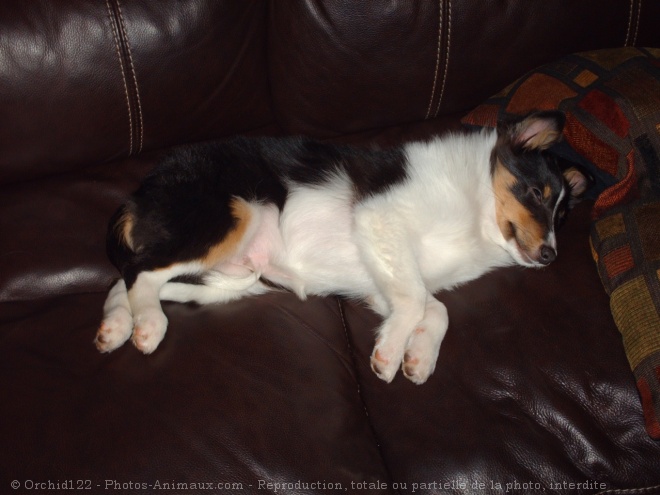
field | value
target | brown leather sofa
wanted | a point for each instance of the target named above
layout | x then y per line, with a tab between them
532	392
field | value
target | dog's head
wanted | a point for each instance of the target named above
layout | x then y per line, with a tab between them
532	194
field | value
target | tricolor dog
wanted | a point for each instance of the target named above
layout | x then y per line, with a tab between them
389	227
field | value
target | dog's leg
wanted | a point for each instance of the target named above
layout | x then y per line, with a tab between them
117	323
149	321
378	304
389	258
423	345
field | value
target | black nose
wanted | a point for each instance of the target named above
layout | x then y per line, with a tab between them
548	255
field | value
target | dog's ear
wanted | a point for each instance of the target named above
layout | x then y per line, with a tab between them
537	131
578	184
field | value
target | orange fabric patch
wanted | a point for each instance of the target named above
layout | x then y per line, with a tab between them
650	416
585	78
607	111
539	92
618	261
621	192
588	145
484	115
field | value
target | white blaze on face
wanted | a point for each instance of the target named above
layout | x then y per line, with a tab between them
552	239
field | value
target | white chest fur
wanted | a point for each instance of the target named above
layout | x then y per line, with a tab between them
443	213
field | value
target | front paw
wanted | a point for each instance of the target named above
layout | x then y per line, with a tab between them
419	361
149	330
421	352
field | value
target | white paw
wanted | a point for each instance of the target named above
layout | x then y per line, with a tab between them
149	329
386	360
421	355
115	329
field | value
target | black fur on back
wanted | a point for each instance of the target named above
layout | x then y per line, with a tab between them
182	208
309	162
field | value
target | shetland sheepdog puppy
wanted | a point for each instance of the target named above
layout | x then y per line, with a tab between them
390	227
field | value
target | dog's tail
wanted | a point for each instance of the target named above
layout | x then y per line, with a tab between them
225	282
213	287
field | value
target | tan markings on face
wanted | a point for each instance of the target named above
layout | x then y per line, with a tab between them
124	229
528	233
240	210
547	192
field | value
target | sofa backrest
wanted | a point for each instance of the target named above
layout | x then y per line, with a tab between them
338	66
90	81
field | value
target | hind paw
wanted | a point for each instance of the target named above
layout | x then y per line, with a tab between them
115	329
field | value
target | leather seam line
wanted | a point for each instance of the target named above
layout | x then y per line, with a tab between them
131	66
630	16
351	350
437	60
445	69
634	17
649	490
639	17
115	34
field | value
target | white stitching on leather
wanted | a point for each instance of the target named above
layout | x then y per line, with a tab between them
437	60
123	73
639	17
132	69
446	67
649	490
630	17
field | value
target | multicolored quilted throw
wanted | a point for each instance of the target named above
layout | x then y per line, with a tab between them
612	103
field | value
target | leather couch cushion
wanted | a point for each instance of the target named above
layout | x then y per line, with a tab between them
52	230
260	390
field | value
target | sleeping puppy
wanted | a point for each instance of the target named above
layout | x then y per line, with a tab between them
388	227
